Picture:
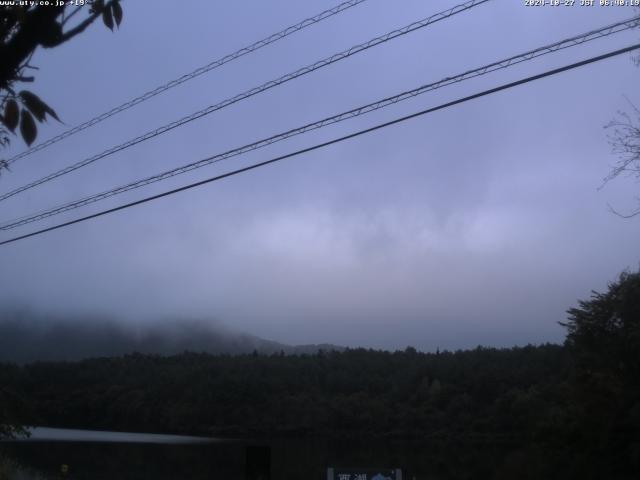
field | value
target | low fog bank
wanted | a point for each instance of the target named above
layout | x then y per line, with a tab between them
26	337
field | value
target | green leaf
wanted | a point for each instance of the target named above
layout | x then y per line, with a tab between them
52	112
11	114
117	12
28	127
107	18
37	106
96	6
34	104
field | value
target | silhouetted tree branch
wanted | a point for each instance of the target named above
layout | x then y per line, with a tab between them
24	28
625	142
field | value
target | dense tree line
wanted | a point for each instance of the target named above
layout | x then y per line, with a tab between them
483	391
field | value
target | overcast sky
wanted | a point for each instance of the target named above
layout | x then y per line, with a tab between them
478	224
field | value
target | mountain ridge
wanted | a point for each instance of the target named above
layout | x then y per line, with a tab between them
26	339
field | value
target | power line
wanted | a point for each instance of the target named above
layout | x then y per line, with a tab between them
331	142
189	76
254	91
513	60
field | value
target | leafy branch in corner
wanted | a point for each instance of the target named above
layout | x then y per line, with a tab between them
24	28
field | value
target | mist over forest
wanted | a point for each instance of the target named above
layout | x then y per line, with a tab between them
27	337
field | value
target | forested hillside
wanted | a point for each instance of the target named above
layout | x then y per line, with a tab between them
484	391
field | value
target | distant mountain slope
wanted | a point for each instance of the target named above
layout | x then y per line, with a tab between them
24	339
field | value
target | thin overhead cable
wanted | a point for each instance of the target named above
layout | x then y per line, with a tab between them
189	76
254	91
513	60
330	142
